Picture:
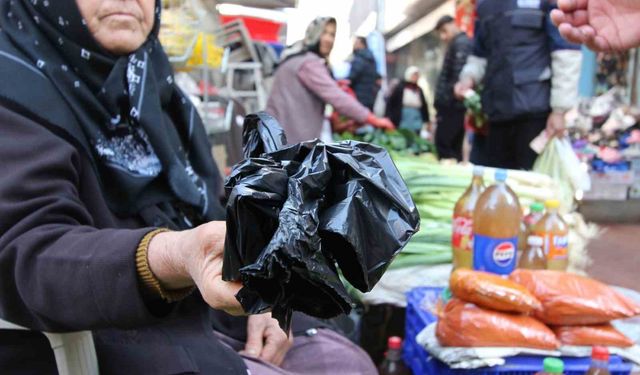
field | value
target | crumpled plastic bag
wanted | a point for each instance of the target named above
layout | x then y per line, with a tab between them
300	216
601	335
463	324
569	299
492	292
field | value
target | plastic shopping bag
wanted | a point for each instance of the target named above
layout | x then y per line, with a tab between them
299	216
559	161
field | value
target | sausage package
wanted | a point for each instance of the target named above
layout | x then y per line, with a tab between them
599	335
492	292
463	324
569	299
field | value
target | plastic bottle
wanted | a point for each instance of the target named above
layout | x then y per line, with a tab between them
462	236
496	225
555	234
552	366
393	364
599	361
533	257
536	211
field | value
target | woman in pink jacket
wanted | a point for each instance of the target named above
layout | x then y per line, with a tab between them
303	85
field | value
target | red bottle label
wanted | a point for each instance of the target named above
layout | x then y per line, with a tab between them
462	233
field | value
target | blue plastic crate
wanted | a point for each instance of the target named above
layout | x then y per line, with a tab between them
421	363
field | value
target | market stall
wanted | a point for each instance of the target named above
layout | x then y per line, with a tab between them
419	276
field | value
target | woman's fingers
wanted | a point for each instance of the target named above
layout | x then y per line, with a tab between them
577	18
599	43
571	33
572	5
558	17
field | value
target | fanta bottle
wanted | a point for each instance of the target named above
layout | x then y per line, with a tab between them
555	234
462	236
496	225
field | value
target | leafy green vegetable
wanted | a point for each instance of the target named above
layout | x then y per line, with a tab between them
400	141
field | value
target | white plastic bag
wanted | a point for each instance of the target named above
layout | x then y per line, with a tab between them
559	161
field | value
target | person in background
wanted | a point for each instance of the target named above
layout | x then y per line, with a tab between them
112	220
364	75
407	105
603	25
529	76
450	130
303	85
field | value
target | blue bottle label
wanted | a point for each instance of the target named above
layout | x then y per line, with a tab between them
496	255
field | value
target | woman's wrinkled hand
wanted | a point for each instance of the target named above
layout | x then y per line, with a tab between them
194	257
266	340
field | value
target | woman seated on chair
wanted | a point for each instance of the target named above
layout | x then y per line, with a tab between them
110	215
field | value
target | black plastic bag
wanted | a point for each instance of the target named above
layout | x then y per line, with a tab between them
298	215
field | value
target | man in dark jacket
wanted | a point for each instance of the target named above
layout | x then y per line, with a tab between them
450	131
529	77
364	75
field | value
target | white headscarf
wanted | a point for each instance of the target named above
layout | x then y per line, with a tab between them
410	72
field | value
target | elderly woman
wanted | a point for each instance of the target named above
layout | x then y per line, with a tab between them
110	206
303	85
407	107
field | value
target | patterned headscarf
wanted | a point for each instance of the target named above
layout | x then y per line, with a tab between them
145	139
311	41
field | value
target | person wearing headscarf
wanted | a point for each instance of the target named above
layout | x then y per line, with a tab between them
111	214
303	85
407	105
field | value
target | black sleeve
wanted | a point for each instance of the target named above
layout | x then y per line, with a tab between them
394	105
424	110
462	49
59	272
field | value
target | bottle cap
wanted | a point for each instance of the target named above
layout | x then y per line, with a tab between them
501	175
552	203
553	366
536	207
478	170
536	241
394	343
600	353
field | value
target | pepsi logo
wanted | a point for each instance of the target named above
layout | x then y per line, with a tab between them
504	253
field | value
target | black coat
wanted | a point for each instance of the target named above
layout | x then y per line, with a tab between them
394	105
454	60
363	77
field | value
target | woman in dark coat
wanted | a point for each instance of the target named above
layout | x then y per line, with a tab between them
111	220
407	106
